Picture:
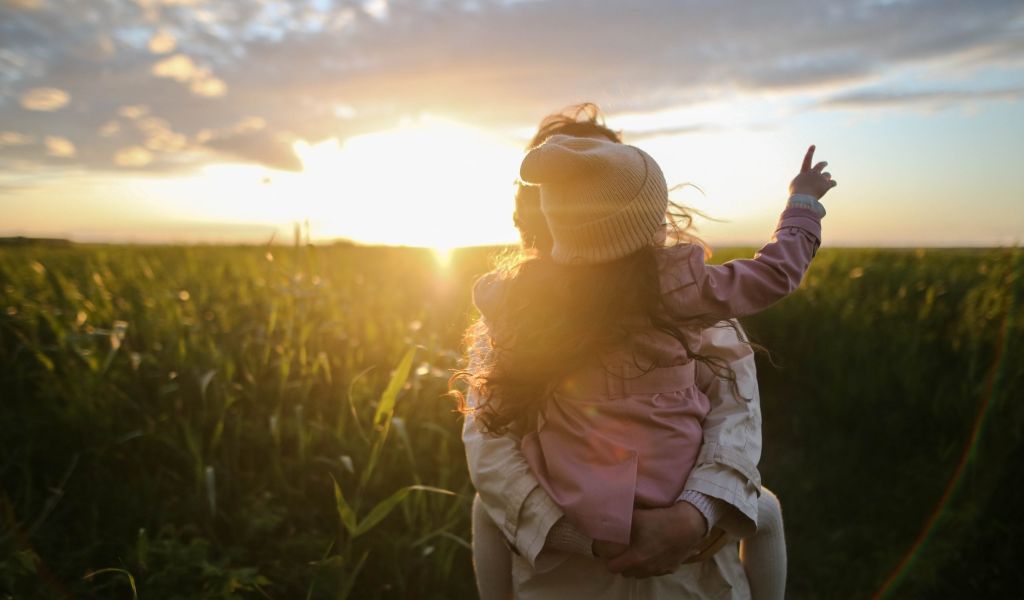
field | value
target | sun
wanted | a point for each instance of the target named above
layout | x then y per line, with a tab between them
443	255
428	182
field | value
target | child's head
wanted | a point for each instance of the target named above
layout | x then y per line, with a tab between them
602	200
581	120
589	287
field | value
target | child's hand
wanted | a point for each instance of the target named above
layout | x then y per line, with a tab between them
606	549
812	181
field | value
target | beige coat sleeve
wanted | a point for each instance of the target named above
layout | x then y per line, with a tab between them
726	467
511	495
727	464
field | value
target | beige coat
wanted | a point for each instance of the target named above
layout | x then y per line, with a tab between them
726	468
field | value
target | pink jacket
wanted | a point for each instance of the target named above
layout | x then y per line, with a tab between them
613	437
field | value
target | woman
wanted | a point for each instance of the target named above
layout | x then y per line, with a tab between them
721	491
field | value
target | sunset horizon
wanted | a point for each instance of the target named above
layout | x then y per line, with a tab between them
193	121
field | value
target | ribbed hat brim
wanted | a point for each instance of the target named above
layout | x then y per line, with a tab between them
642	202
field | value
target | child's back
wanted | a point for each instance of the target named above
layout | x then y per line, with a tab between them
624	428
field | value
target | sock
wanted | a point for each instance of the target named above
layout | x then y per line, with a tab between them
764	553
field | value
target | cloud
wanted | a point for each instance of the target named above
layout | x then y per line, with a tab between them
183	69
867	99
58	146
179	67
378	9
162	42
344	111
133	111
259	147
672	131
316	70
206	85
133	156
13	138
45	99
159	136
110	128
249	124
25	4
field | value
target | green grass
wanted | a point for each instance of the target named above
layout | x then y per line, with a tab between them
187	422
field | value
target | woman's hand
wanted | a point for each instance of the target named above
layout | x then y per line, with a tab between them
661	539
812	181
606	549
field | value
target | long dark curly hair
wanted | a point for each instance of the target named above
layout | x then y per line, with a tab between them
554	319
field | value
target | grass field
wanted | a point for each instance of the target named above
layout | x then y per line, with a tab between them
219	422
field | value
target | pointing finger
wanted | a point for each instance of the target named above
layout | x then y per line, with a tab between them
806	166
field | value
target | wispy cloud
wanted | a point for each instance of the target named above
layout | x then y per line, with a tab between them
866	99
635	136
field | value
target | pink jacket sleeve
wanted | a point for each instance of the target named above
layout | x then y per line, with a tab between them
743	287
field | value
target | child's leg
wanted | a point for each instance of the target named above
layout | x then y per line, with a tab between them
492	560
764	553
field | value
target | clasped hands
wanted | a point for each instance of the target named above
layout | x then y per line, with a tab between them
660	540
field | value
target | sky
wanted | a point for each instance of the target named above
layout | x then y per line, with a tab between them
403	122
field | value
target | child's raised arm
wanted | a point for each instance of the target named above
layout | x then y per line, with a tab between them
744	287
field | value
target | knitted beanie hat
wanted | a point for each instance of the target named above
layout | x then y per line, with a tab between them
602	200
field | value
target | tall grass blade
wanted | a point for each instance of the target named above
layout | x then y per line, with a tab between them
385	411
386	406
345	512
131	579
384	507
350	582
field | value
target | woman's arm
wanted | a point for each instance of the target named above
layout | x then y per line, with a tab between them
725	473
726	467
511	495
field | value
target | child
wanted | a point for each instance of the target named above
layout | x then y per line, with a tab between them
593	349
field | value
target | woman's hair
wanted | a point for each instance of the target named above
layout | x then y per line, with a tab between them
552	319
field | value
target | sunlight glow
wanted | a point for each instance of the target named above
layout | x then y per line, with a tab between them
443	256
428	182
743	176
